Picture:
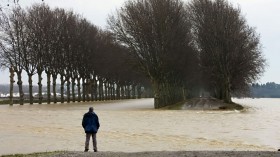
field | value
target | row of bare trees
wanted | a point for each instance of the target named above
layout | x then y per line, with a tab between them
177	44
180	47
63	44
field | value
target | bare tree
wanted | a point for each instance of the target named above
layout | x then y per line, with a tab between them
39	22
4	63
230	50
154	30
88	48
57	65
29	62
69	47
13	43
53	53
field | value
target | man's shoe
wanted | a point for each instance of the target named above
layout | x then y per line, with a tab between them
95	150
86	150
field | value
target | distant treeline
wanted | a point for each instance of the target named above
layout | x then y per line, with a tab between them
268	90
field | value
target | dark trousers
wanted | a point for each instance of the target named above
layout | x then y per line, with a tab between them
93	141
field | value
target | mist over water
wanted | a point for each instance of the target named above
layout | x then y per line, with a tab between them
133	125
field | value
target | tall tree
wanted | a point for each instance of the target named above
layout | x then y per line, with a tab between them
229	49
54	56
39	22
13	43
63	54
154	30
29	62
89	47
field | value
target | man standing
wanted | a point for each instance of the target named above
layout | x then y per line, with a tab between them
91	125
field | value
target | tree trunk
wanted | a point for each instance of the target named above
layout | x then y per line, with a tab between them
122	92
100	87
95	89
12	74
118	92
109	90
30	89
92	90
133	91
113	91
166	94
125	91
87	89
21	94
185	93
73	89
68	89
128	92
84	89
54	76
226	91
48	87
139	93
40	86
79	89
62	88
106	90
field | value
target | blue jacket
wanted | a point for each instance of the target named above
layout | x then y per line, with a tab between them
90	122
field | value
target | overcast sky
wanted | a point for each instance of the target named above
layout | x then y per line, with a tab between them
264	15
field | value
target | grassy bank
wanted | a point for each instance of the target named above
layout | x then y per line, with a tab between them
205	103
42	154
156	154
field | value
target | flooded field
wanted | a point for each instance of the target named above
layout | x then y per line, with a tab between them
133	125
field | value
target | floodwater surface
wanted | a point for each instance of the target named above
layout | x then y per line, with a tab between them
133	126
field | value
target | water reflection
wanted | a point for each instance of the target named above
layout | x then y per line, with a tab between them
133	125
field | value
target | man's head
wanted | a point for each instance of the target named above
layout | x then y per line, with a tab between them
90	109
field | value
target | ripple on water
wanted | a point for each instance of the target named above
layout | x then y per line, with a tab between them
134	126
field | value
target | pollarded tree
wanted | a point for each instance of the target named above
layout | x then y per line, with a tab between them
39	23
13	43
79	37
4	62
64	53
70	48
53	58
153	30
87	47
230	51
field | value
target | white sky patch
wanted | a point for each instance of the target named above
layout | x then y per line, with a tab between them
264	15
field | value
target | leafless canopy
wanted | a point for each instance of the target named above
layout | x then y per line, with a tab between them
230	50
157	34
61	43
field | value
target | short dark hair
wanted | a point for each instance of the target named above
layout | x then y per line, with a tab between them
90	109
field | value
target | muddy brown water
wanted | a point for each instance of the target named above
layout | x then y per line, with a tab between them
133	126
